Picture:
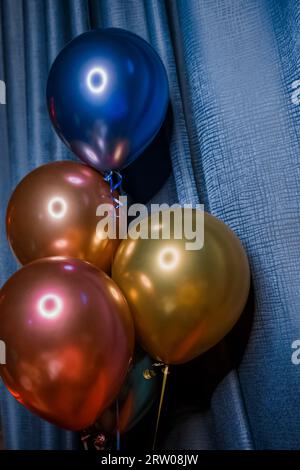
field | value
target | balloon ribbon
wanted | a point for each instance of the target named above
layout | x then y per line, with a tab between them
162	394
118	434
109	178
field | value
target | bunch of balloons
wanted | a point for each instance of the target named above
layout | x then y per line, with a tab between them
68	326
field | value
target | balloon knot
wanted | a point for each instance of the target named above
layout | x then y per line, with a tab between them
149	374
157	366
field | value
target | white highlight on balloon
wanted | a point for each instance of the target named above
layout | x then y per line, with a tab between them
168	258
101	76
57	207
55	308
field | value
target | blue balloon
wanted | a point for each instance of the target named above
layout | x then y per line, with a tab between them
135	398
107	96
141	393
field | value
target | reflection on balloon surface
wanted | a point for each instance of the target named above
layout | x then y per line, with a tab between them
168	258
50	305
57	207
96	80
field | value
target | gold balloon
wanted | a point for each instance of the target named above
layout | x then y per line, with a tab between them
52	212
183	301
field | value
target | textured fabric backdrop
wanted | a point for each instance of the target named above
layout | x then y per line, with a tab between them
235	145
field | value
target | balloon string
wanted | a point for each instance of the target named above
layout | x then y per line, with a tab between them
84	437
162	394
118	436
109	178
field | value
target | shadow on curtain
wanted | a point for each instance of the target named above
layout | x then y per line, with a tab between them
233	144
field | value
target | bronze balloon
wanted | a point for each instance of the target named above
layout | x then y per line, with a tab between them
183	301
69	340
52	212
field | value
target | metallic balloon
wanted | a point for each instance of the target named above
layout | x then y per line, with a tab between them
107	96
183	301
52	212
135	399
69	340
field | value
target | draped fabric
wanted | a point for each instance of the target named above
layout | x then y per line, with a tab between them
234	145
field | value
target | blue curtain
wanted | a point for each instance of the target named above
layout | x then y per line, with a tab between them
233	67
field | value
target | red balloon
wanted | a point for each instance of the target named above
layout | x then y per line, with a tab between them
69	340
